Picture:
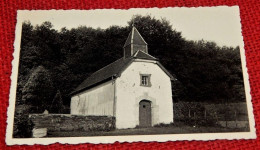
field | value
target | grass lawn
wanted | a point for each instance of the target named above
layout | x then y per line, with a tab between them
147	131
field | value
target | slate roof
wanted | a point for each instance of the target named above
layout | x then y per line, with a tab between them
110	70
114	69
143	55
134	37
103	74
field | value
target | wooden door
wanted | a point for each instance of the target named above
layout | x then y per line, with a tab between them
145	115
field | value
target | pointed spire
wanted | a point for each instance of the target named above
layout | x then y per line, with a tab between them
134	43
133	24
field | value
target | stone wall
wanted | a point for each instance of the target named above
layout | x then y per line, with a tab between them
67	122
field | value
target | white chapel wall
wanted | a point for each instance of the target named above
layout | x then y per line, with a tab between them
129	93
95	101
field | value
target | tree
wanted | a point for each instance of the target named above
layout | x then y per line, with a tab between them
57	104
204	71
48	42
38	91
24	68
163	41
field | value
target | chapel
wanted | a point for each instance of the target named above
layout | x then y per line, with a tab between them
135	89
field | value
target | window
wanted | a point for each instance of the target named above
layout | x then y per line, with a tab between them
145	80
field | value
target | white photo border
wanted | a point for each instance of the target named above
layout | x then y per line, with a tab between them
127	138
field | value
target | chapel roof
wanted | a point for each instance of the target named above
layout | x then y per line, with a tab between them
111	70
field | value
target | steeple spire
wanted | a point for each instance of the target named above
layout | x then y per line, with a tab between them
133	24
134	43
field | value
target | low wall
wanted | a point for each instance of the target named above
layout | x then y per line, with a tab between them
67	122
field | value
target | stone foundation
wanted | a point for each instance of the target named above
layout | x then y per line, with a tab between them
67	122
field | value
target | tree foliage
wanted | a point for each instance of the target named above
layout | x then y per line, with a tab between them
22	125
39	90
203	70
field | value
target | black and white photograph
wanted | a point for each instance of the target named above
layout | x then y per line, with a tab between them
142	74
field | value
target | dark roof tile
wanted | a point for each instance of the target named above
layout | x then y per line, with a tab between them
103	74
143	55
135	37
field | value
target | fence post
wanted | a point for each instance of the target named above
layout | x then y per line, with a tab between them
226	118
216	116
236	118
195	118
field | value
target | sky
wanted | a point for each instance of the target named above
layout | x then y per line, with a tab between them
219	24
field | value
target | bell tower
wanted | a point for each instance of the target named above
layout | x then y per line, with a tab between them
134	43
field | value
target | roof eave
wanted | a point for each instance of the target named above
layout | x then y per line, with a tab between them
166	71
93	85
154	59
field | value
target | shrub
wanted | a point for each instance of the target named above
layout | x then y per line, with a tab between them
193	114
22	125
164	125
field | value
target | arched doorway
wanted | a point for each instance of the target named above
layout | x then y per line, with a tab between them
145	113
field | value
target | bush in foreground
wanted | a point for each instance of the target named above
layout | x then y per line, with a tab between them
22	125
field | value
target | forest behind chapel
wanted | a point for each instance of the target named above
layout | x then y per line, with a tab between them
53	63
